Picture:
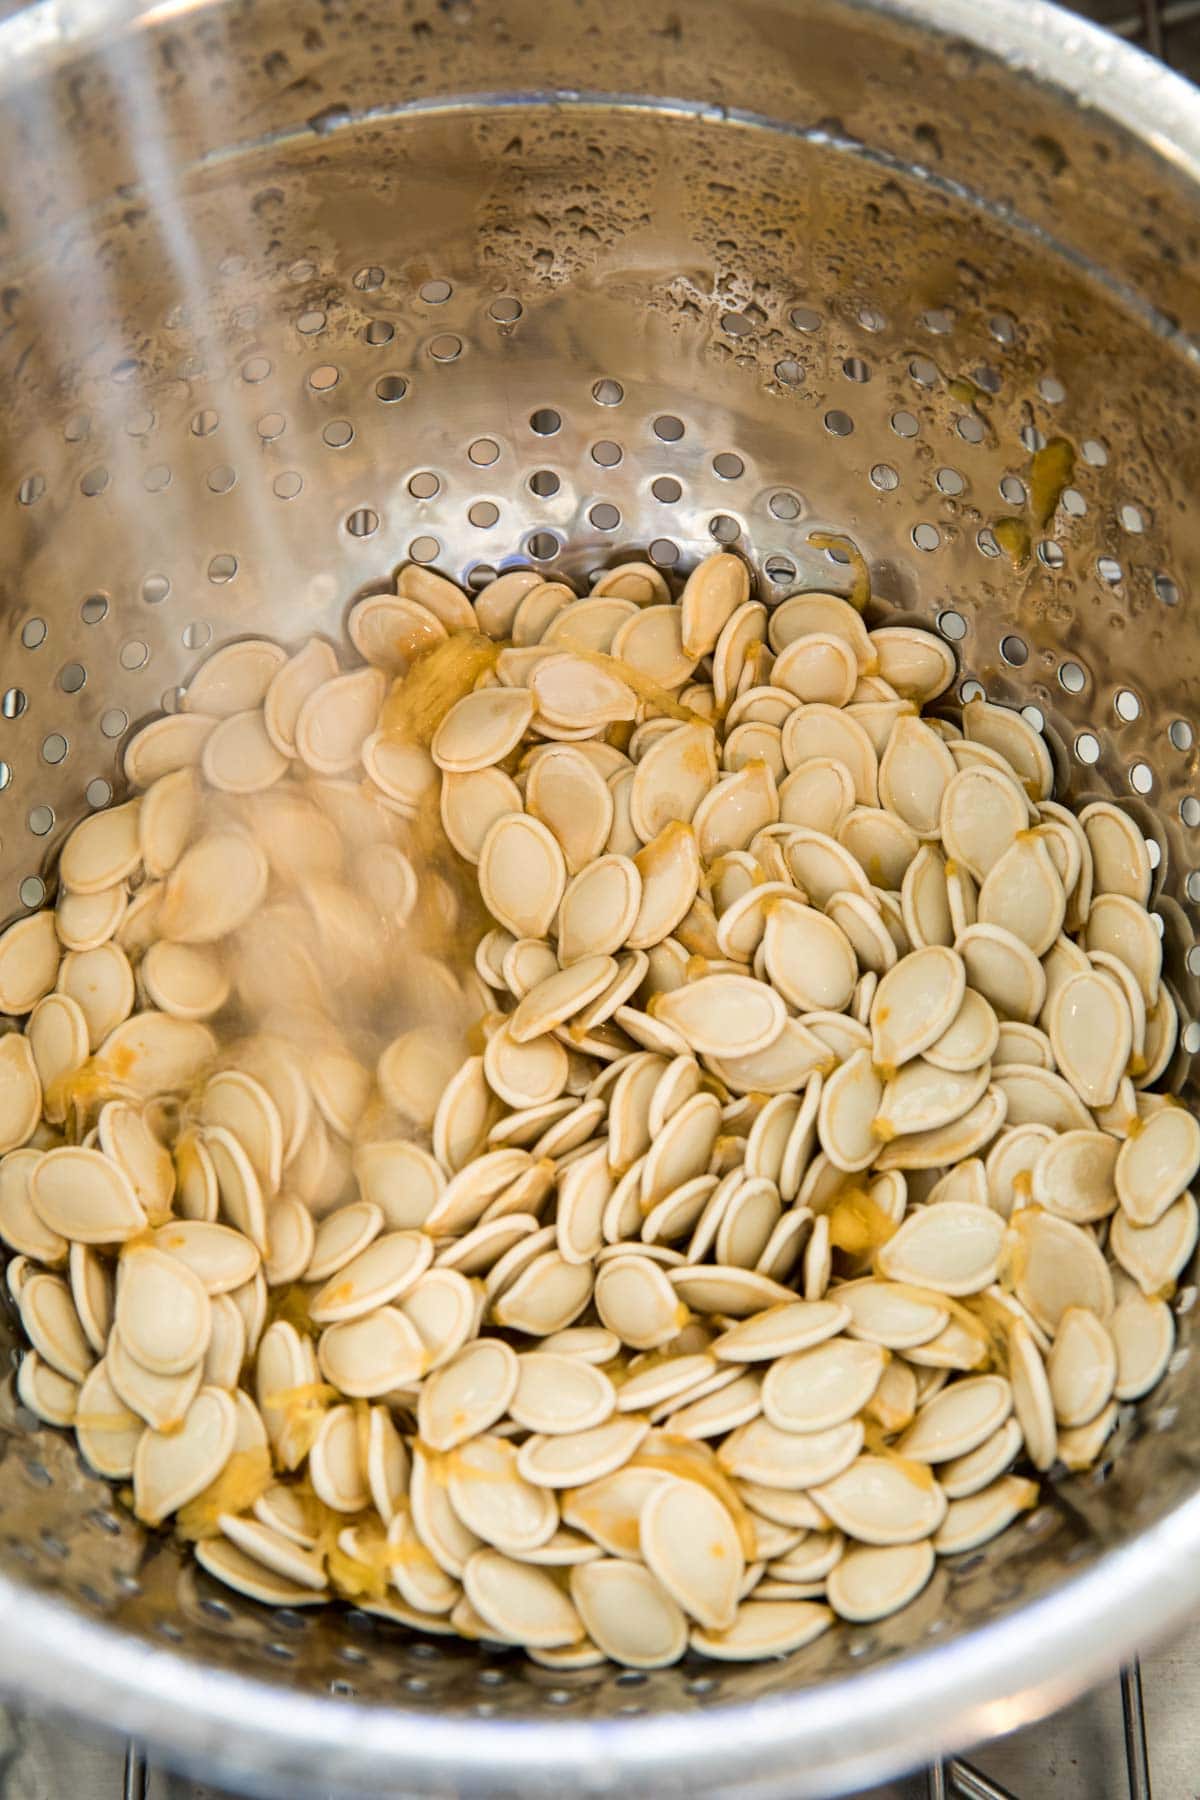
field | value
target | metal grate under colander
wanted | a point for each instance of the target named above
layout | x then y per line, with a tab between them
329	288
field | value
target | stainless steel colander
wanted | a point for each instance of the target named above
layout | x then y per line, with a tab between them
293	292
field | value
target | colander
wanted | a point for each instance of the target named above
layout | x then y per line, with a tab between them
294	291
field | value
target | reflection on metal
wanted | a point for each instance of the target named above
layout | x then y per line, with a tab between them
218	379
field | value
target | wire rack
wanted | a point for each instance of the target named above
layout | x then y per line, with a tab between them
1169	30
954	1779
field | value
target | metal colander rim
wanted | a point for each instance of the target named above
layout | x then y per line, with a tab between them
851	1731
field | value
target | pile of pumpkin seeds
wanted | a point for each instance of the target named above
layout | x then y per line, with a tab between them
602	1126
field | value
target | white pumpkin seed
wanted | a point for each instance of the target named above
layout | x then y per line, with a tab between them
1155	1255
1033	1402
628	1613
1091	1032
894	1316
922	1098
878	1501
521	875
1035	1096
1004	970
1121	864
764	1629
372	1354
915	1004
1080	1448
691	1545
720	1411
1118	925
468	1394
1002	729
850	1101
958	1420
1081	1367
969	1040
982	1516
761	1453
924	900
1156	1164
809	959
169	1470
982	813
569	795
546	1296
818	730
1143	1335
444	1308
811	1390
1057	1265
872	1581
1073	1176
954	1248
1023	894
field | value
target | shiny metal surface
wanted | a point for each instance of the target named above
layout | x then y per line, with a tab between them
1075	1755
293	293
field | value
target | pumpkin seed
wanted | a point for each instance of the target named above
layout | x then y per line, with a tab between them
1080	1448
1023	894
1155	1166
1035	1096
547	1295
969	1040
719	1411
372	1354
954	1248
1155	1255
818	730
891	1315
964	1475
569	795
521	1603
761	1453
1004	970
1091	1032
811	1390
628	1613
914	772
1118	925
850	1101
1074	1175
162	1311
1143	1335
521	875
1121	864
728	1016
1081	1367
691	1546
922	1098
763	1629
958	1420
809	959
871	1582
975	1520
571	1459
915	1004
1032	1400
877	1501
1057	1265
169	1470
924	900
